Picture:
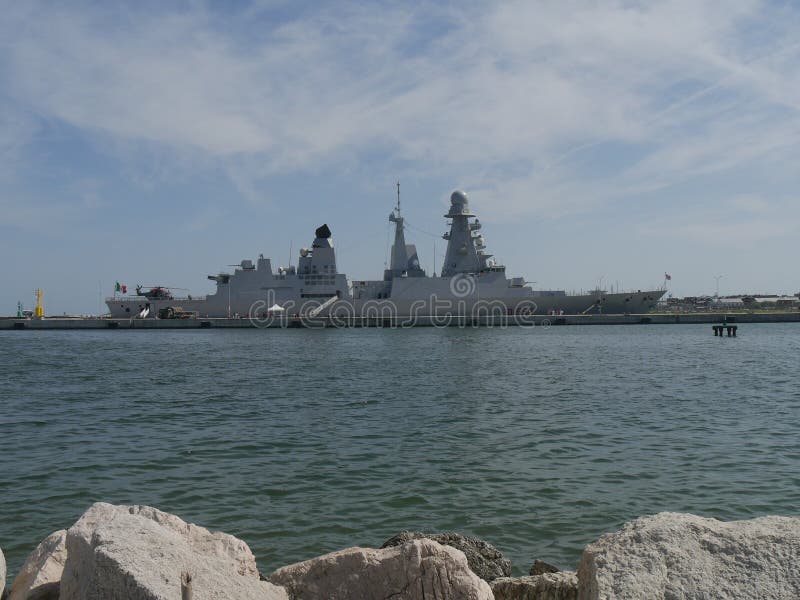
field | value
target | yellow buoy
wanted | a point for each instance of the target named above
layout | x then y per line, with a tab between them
39	310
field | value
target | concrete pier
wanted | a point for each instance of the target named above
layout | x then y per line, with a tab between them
390	322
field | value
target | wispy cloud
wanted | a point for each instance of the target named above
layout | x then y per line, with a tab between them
738	223
523	97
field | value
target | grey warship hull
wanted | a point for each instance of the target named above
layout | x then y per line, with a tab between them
471	283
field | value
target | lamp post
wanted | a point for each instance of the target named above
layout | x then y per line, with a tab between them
717	278
600	294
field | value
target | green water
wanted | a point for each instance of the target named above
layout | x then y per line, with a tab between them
302	442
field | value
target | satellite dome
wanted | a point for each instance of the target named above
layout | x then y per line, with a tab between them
459	198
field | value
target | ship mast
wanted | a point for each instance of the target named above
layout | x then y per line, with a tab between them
399	260
404	261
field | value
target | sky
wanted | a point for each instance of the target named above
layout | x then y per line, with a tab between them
156	143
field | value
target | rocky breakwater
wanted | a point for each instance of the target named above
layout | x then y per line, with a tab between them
673	555
486	561
2	575
419	569
40	576
141	553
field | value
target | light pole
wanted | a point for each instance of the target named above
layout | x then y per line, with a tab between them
717	278
600	294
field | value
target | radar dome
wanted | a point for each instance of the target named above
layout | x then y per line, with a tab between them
459	198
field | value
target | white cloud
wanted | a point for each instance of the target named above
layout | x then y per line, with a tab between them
514	97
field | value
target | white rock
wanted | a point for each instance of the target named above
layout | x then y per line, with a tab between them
671	556
201	539
139	553
562	585
40	576
2	574
413	571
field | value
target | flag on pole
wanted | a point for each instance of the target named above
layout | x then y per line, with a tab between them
667	276
124	289
117	287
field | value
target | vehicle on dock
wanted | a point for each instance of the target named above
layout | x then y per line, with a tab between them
176	312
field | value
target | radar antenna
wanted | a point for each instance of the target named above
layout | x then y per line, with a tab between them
398	198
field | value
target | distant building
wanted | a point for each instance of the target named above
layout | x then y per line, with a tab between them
728	302
732	302
782	301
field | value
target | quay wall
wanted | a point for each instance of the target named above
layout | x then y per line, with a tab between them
51	323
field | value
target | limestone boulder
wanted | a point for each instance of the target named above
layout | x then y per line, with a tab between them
562	585
139	553
670	556
486	561
40	576
417	570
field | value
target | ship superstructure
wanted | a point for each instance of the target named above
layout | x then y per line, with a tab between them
471	282
404	259
466	251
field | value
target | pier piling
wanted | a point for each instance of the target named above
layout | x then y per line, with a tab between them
719	330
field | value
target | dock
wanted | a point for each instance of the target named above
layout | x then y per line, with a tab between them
105	324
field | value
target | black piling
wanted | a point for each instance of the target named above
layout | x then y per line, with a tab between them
720	330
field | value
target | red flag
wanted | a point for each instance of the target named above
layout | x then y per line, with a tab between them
124	289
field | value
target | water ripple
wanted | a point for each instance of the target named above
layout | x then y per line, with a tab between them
304	442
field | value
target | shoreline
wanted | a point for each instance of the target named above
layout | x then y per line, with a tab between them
77	323
109	553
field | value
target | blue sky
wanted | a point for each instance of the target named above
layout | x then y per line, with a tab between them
620	140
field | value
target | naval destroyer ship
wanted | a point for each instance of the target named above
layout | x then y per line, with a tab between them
471	283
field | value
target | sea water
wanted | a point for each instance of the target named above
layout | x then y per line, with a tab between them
303	442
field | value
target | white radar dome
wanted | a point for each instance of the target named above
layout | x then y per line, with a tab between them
459	198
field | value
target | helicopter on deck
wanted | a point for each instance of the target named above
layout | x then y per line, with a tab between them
156	292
